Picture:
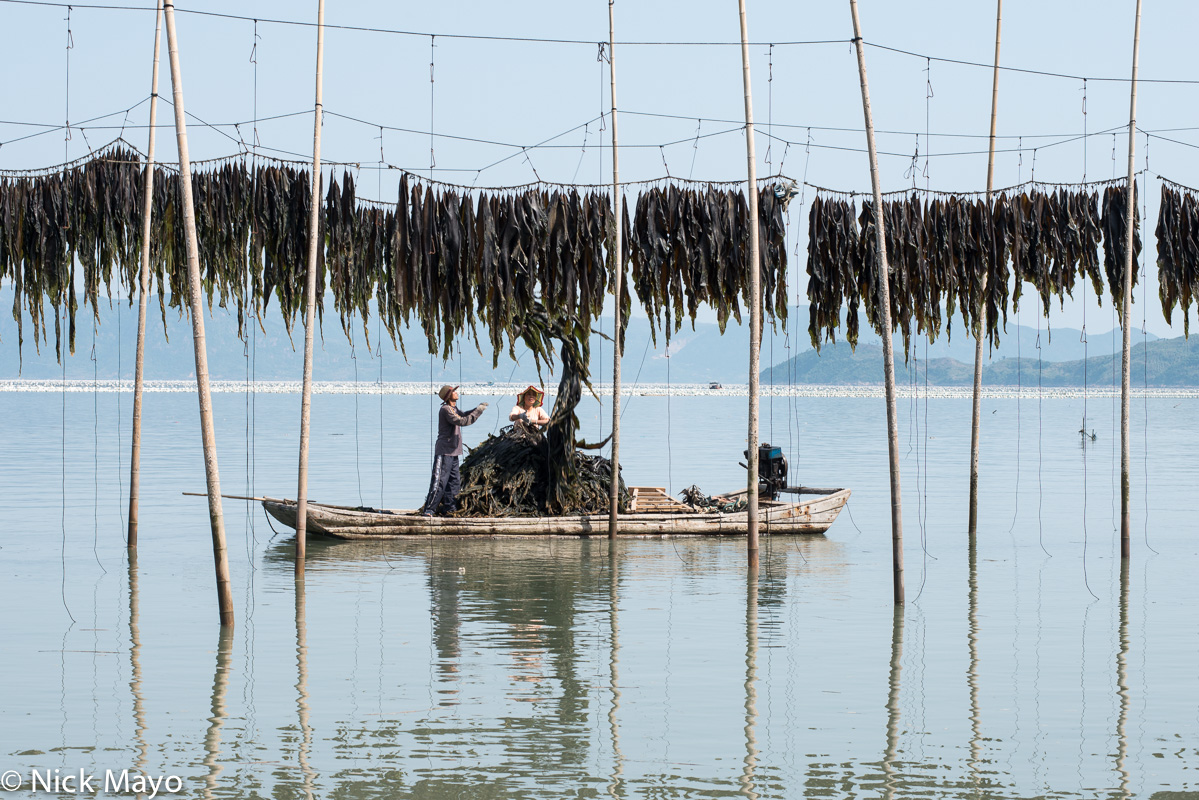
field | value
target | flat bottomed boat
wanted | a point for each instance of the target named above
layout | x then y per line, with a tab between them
652	513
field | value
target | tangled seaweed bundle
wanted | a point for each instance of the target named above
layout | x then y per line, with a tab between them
508	475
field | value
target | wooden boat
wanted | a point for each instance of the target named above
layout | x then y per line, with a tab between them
653	514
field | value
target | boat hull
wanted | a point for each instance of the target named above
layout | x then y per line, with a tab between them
804	516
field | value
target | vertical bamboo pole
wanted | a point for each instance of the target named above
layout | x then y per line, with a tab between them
981	333
755	299
220	555
884	303
618	260
310	310
135	460
1126	372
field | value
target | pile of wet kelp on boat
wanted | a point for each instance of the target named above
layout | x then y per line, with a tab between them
527	472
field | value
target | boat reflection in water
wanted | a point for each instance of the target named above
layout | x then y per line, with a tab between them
546	667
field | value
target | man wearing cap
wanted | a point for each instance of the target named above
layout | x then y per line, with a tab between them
444	485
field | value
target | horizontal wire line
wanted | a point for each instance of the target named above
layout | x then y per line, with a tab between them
98	155
593	42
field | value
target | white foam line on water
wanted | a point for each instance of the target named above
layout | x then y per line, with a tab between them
57	386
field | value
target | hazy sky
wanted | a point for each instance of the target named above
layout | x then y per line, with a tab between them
520	94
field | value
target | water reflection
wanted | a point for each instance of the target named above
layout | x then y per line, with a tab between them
220	688
302	708
540	668
748	787
135	668
891	754
1122	686
972	670
615	783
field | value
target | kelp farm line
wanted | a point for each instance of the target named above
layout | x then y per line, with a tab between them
454	260
949	253
447	257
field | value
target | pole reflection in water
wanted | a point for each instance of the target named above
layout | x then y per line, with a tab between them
891	755
1122	684
616	783
972	673
220	686
135	665
748	787
302	690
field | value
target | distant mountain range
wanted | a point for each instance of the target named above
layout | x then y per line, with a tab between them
696	355
1160	363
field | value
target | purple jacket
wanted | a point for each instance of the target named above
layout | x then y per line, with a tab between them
449	429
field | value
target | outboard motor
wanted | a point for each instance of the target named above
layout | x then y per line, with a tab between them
772	471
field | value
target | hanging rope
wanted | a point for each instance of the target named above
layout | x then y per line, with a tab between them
379	336
669	462
357	450
1040	444
96	451
1019	371
1145	356
66	143
250	343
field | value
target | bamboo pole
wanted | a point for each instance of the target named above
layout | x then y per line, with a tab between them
1126	372
135	460
618	261
884	303
755	299
195	289
310	311
981	333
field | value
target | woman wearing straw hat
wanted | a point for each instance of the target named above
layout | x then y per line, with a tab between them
528	408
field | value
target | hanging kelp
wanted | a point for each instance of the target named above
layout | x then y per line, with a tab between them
691	247
938	253
834	270
1054	239
1115	240
1178	252
446	259
48	220
283	204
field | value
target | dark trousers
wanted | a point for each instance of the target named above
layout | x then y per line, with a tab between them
443	486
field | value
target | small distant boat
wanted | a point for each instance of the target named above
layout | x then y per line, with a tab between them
653	514
715	385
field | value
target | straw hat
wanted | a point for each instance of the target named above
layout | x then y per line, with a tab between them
444	392
520	398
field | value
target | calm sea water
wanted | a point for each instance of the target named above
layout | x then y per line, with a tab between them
1034	667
